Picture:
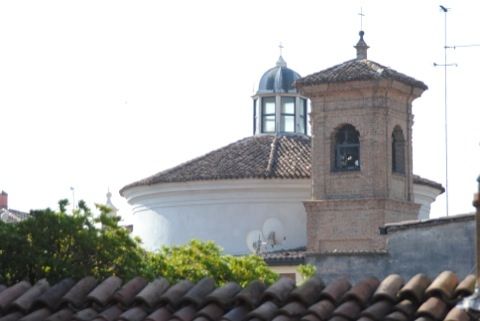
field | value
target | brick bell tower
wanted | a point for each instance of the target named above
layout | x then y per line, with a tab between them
361	153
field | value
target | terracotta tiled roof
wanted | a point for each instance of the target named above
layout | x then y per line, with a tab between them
404	225
393	299
265	156
290	257
357	69
423	181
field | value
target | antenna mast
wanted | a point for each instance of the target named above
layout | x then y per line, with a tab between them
445	65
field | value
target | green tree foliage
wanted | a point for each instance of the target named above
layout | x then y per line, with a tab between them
55	245
306	270
197	260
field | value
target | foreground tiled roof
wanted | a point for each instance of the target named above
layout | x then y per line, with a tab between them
357	69
390	299
266	156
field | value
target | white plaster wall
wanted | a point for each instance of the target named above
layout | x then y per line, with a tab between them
224	211
425	196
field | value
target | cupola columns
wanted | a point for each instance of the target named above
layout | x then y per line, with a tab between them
278	108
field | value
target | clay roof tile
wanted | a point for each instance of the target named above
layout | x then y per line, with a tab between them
406	307
388	288
362	291
283	317
443	286
51	298
456	314
202	318
152	293
322	309
9	295
238	313
396	316
103	293
198	293
264	312
133	314
378	310
310	317
109	314
64	314
175	293
76	297
415	288
126	295
349	310
225	295
466	287
424	318
434	308
212	311
309	291
26	300
13	316
161	314
293	309
85	314
279	291
187	313
37	315
339	318
335	290
251	295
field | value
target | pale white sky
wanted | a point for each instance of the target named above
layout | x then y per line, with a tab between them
98	94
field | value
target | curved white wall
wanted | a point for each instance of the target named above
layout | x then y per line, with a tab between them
224	211
425	195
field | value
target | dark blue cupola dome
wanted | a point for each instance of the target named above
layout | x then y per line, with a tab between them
278	108
278	79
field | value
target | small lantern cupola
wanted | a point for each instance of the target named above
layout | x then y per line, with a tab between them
361	47
278	108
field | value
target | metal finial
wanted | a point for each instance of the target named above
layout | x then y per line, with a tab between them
281	62
361	46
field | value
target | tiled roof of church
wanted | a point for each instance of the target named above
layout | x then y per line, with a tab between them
357	69
392	298
265	156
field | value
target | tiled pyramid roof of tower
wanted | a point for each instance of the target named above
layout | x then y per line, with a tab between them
357	69
392	298
265	156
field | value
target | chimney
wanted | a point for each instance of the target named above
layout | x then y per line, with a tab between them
4	200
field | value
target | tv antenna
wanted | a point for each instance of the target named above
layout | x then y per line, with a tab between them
445	65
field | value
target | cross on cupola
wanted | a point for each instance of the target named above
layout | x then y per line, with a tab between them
361	45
